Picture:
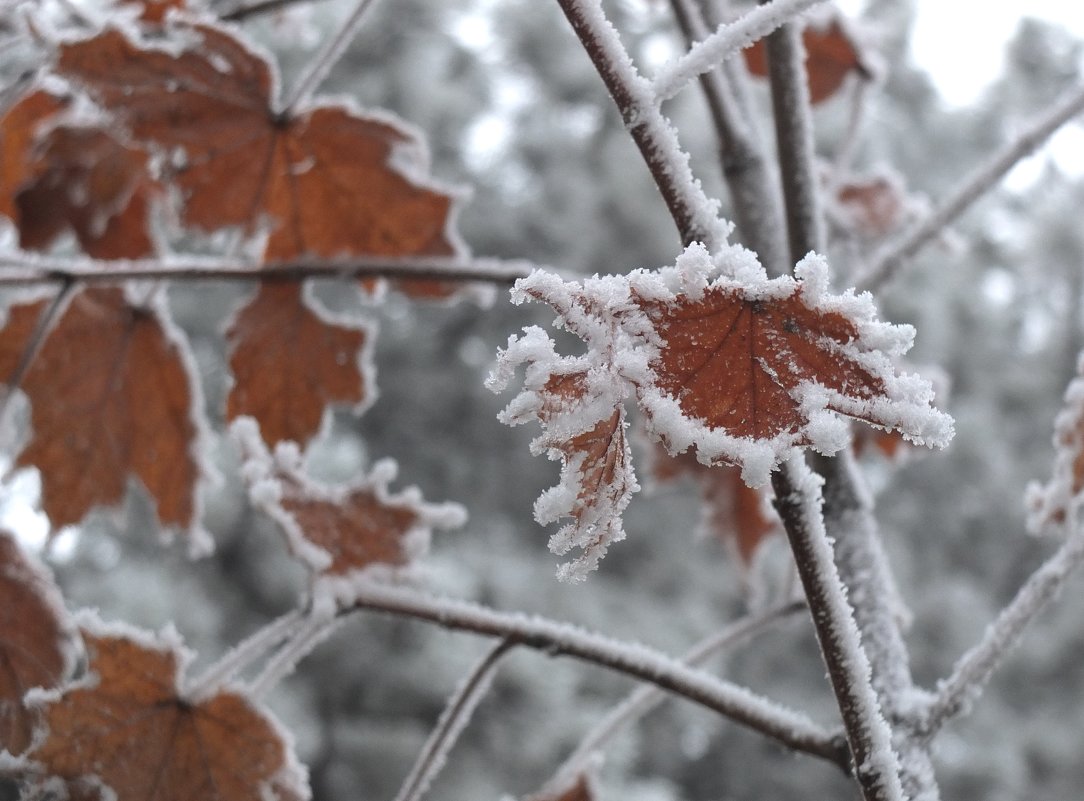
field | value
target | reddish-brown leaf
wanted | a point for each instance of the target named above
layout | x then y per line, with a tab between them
888	443
581	788
329	181
86	180
871	207
832	55
1055	506
733	513
20	130
111	397
734	363
341	529
290	363
35	640
129	724
153	12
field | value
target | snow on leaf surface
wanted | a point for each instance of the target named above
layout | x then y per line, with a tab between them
832	53
584	427
291	360
1055	506
341	529
112	395
328	181
743	370
130	724
36	640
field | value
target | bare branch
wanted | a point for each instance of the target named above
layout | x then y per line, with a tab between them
973	670
31	270
792	729
452	720
728	40
894	255
258	7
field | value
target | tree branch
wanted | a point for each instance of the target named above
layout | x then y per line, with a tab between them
452	720
31	270
791	728
984	178
695	215
258	7
973	670
728	40
798	501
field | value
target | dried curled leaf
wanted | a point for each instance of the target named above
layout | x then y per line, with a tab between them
344	529
328	181
584	427
112	395
832	53
744	370
291	360
1054	507
130	725
20	130
36	640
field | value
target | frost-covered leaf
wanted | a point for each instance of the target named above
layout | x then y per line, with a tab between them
291	360
584	427
733	513
112	394
20	130
131	725
744	370
36	640
579	788
341	529
1055	505
327	180
833	53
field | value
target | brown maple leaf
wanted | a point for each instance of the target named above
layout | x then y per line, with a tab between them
327	181
130	725
112	395
578	788
734	514
21	128
290	361
831	55
342	529
36	640
86	180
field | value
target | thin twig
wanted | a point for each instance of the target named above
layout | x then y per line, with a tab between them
798	501
322	63
973	670
728	40
695	215
756	205
789	727
244	654
646	697
451	723
259	7
894	255
34	344
30	270
312	631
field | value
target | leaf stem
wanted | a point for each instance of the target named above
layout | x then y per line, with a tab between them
793	729
313	630
244	654
985	177
322	63
34	344
258	7
451	723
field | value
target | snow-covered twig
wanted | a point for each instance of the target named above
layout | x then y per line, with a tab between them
974	669
256	8
695	215
971	189
247	652
30	269
798	501
728	40
322	63
793	729
313	630
646	697
755	202
794	141
451	723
